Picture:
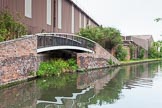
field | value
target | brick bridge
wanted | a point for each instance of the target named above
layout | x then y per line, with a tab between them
20	58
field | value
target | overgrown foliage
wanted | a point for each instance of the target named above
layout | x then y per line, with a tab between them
155	51
132	49
94	33
141	53
57	67
111	37
9	27
107	37
121	53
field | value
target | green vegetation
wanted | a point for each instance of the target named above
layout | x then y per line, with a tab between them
141	53
121	53
155	51
110	61
56	67
132	49
9	27
94	34
139	61
107	37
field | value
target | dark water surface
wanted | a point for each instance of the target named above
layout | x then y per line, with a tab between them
134	86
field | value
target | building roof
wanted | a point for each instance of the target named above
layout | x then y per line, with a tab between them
83	11
141	40
146	37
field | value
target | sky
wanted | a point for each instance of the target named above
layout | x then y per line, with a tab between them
131	17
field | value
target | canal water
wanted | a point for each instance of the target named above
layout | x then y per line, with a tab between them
133	86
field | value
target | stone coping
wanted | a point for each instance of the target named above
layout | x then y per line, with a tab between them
18	39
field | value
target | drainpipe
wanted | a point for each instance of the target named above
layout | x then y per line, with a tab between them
54	15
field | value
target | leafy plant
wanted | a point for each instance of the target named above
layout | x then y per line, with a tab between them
72	64
132	49
110	61
9	27
121	53
153	52
141	53
57	67
107	37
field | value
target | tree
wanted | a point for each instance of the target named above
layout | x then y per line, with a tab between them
94	33
9	27
107	37
153	51
112	37
121	53
157	19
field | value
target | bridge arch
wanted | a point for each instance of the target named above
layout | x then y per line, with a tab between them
61	41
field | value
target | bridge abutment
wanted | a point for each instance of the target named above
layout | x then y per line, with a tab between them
18	58
99	59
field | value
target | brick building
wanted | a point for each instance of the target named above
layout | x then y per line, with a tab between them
62	16
138	42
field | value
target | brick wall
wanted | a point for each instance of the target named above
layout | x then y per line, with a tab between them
17	59
97	60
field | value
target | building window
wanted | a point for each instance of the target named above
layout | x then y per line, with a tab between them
72	20
80	20
28	8
89	22
49	12
85	22
59	14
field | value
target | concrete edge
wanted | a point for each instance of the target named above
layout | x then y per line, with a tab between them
137	62
118	65
16	82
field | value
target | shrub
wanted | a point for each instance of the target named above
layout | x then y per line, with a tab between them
107	37
121	53
132	49
141	53
56	67
110	61
9	27
153	52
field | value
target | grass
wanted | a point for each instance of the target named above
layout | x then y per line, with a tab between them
138	61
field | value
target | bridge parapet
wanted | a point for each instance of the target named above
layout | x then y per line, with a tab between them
61	39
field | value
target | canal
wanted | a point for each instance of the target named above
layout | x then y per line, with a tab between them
133	86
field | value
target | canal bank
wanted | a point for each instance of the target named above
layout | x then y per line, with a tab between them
124	86
123	63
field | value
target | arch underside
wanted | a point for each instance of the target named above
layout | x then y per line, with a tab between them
40	50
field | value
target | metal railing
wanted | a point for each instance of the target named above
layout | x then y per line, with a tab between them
62	39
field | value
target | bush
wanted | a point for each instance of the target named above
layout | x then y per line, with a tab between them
110	61
141	53
9	27
56	67
121	53
107	37
153	52
132	49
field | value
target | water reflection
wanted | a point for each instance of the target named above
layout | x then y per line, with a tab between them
91	89
21	96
